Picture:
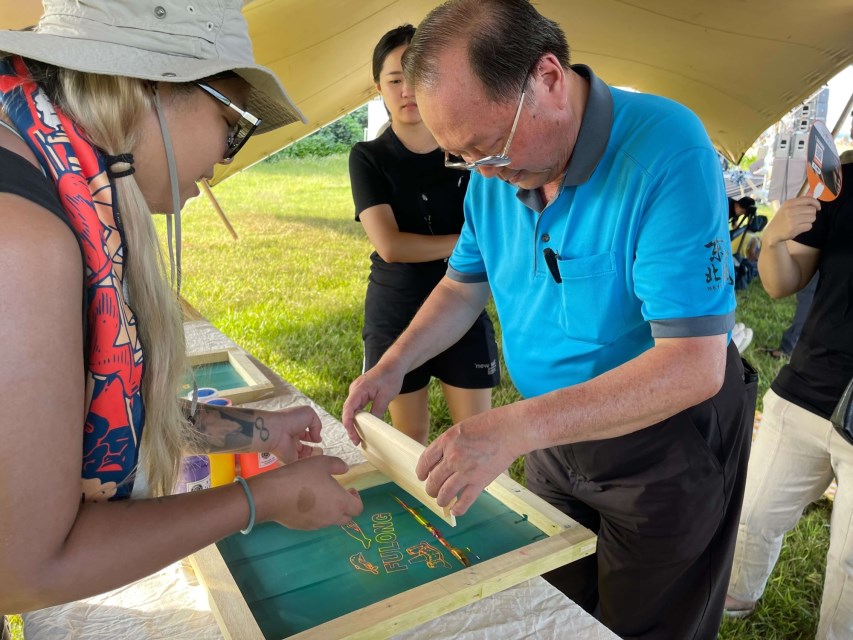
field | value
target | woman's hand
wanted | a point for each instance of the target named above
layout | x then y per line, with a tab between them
785	265
794	217
304	495
290	431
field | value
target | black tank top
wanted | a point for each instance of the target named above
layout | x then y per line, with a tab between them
18	176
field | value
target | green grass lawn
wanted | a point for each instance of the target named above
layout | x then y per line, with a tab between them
291	291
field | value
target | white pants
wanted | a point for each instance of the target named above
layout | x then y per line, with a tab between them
793	460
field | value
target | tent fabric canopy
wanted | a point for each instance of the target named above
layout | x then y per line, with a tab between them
739	65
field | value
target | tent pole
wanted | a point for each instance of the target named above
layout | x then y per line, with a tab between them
206	186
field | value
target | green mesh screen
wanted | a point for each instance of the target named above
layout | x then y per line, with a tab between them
295	580
219	375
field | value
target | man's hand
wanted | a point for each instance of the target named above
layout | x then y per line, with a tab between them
463	460
378	387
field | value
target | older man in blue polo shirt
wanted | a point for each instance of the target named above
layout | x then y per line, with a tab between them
604	242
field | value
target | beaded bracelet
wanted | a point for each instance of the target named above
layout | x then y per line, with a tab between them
251	526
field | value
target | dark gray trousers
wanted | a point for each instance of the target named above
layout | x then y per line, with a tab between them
665	503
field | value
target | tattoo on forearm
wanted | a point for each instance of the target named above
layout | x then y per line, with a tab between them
263	432
228	428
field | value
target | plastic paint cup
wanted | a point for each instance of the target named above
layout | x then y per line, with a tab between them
195	474
218	402
223	469
251	464
204	394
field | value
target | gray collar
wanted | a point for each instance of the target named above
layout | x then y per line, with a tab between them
595	129
592	140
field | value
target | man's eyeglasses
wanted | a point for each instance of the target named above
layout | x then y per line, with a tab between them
501	160
240	132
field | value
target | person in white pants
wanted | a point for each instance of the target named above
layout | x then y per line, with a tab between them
797	451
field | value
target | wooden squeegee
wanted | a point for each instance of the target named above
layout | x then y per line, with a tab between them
396	455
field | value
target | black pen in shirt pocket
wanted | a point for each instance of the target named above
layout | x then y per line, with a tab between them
551	260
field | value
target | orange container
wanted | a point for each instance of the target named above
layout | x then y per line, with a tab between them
251	464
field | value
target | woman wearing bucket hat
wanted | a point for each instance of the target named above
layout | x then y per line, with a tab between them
110	112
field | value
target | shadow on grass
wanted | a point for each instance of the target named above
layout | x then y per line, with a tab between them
348	227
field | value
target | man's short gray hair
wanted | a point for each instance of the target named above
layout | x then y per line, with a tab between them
504	39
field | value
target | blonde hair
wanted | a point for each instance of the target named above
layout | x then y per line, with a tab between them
110	110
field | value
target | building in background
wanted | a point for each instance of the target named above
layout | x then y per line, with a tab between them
787	166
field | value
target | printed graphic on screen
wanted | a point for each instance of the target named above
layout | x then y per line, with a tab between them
295	580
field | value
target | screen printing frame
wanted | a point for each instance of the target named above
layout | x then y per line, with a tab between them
257	385
566	542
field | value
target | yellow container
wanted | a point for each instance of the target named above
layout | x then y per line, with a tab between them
222	469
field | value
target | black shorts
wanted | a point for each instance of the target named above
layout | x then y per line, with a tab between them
471	363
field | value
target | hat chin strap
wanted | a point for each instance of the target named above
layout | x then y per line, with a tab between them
174	252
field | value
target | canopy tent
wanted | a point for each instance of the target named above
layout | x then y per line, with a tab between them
739	65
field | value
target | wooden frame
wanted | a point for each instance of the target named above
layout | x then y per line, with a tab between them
257	385
567	541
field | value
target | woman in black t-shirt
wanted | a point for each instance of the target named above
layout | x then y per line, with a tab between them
797	451
411	208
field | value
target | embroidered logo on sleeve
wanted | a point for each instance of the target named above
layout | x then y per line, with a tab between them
717	272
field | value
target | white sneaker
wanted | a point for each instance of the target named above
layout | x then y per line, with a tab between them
743	340
737	608
737	331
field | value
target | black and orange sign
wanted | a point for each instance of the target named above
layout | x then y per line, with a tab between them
823	167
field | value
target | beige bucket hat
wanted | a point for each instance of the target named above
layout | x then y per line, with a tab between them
163	40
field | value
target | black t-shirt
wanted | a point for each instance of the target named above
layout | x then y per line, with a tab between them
822	362
426	198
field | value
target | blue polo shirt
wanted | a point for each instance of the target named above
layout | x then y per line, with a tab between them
640	236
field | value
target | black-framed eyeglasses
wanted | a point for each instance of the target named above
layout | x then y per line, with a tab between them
240	132
500	160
